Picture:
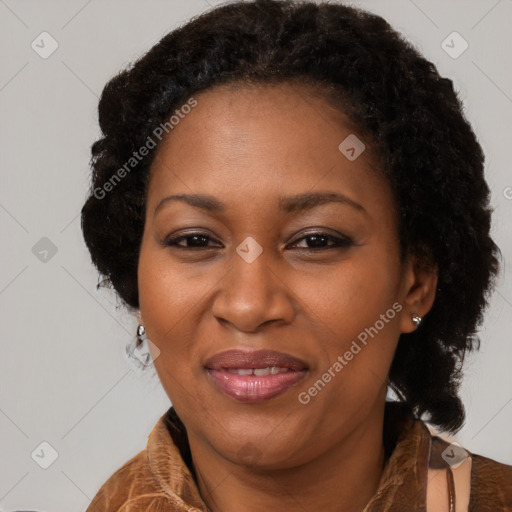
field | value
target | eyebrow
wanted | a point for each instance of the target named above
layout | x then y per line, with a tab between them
290	204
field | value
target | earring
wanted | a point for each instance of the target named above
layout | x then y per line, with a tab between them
141	354
416	320
145	353
141	333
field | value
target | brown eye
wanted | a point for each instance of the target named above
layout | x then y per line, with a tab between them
190	241
322	241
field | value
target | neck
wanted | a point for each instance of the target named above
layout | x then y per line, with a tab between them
342	479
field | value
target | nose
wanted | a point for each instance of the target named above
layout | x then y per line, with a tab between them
253	294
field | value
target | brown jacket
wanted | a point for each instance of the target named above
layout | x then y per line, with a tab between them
160	478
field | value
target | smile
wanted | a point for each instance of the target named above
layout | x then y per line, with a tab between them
274	370
254	376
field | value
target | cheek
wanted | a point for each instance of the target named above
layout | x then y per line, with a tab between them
351	296
168	297
355	309
168	291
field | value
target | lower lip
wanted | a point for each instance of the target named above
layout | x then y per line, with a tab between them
253	388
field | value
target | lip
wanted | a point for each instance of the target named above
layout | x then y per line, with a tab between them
254	388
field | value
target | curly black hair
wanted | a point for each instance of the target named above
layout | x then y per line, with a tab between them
396	98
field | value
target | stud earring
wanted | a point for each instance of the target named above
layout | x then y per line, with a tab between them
141	333
145	353
416	320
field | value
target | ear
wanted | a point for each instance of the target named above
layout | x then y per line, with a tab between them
418	291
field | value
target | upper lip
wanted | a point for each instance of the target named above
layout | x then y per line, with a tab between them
244	359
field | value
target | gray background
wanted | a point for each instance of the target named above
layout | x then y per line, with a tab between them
65	379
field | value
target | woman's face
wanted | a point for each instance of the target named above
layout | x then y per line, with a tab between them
286	252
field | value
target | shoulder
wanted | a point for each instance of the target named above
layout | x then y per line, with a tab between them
491	485
132	488
155	480
491	481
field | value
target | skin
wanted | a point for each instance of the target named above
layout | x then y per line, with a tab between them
246	147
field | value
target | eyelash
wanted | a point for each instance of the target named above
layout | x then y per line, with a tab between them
339	242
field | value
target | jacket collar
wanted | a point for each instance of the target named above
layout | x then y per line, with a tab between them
167	451
406	439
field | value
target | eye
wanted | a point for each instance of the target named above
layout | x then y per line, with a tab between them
321	241
311	242
190	241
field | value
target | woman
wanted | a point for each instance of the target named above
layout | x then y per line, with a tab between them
291	198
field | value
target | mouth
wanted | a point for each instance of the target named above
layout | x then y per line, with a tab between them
254	376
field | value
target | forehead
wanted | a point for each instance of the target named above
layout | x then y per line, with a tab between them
259	140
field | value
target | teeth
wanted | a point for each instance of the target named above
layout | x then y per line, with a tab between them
259	372
245	371
262	371
240	371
